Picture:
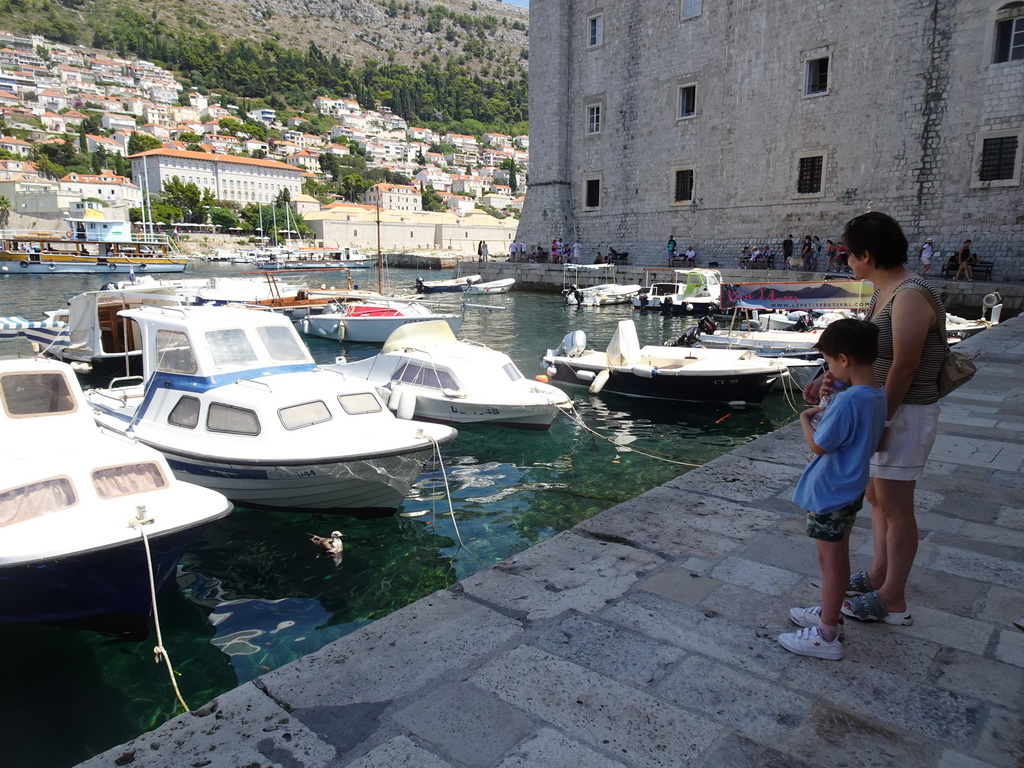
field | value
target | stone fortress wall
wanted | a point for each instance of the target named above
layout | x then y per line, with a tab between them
910	94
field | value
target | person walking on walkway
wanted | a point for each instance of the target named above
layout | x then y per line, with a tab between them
925	255
963	262
832	485
909	315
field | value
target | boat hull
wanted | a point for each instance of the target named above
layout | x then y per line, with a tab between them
360	486
462	413
106	588
89	268
720	387
701	306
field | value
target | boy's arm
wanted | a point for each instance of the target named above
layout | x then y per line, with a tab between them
808	428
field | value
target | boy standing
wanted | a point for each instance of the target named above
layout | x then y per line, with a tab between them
832	486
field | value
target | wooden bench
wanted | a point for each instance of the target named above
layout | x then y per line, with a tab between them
980	271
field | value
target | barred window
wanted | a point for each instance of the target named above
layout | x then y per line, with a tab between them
809	176
684	186
998	158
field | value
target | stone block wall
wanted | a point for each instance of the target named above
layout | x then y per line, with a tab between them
911	93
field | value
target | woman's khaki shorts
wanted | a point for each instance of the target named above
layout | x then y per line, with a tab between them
908	442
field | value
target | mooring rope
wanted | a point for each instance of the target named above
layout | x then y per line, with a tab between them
159	651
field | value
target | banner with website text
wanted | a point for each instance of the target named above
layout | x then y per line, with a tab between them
838	294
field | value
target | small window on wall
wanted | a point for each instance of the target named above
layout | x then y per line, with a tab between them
817	76
683	186
594	118
687	100
1010	38
998	158
690	8
592	197
595	30
808	180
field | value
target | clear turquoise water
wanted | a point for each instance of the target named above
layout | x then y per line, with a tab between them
253	594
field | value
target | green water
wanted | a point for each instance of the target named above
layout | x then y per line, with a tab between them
253	594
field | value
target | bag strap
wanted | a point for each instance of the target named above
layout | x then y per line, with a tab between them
878	308
935	307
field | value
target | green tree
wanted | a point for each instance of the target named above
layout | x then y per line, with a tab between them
5	211
509	164
142	142
190	137
432	200
224	218
352	185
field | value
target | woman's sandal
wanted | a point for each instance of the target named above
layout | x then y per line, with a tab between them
869	607
859	584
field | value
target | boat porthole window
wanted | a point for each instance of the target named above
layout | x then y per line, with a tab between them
26	502
360	403
126	479
232	419
304	414
185	413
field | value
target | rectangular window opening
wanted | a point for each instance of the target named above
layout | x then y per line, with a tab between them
595	30
998	158
684	186
593	199
594	118
691	8
817	76
1009	40
809	175
687	100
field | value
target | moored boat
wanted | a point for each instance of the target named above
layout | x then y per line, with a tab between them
424	372
372	320
234	401
492	286
662	372
688	292
451	285
92	245
75	501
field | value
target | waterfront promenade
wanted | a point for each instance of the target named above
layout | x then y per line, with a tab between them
645	636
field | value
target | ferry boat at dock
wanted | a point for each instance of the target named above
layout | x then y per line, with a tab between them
93	244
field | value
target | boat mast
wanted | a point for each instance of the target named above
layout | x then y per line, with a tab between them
379	280
273	213
262	244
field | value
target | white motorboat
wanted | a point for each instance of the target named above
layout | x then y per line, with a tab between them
580	286
234	401
663	372
792	344
424	372
451	285
688	292
492	286
74	503
372	321
327	258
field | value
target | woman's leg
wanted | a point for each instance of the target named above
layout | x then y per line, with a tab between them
894	532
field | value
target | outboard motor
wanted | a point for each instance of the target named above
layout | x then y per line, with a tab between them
419	285
666	305
688	339
707	325
644	301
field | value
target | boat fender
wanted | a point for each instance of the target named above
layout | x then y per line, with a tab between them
68	235
304	322
24	265
551	371
395	399
407	407
541	378
585	375
599	381
52	267
990	300
689	307
645	371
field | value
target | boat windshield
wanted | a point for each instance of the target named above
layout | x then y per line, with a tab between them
513	373
424	376
35	394
230	347
282	344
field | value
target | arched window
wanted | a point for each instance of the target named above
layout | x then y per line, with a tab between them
1009	33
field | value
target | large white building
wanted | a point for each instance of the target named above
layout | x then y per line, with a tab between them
242	179
720	122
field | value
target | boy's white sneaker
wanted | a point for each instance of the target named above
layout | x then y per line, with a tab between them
809	642
809	617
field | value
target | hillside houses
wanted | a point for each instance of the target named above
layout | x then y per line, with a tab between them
48	98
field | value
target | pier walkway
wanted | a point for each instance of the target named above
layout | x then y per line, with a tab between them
645	636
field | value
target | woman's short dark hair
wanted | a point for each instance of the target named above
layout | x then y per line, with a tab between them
879	235
857	339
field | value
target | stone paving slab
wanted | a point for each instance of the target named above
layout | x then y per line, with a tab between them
646	636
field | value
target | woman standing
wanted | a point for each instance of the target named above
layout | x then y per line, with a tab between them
910	317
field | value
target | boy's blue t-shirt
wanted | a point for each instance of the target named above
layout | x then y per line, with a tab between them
849	431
